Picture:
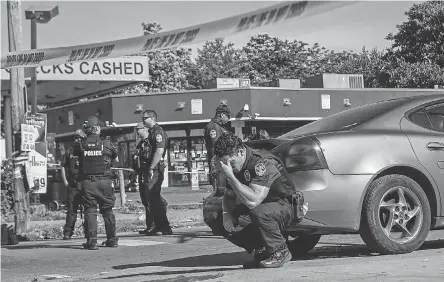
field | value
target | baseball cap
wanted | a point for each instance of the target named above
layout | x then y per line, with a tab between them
140	125
223	109
93	121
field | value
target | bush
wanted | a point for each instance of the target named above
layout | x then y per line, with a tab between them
7	190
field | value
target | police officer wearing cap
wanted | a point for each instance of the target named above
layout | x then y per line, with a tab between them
70	172
257	205
212	131
95	159
153	176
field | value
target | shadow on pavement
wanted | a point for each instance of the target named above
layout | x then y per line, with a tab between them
44	246
223	259
342	250
178	272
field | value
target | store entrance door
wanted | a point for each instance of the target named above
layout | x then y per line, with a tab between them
187	156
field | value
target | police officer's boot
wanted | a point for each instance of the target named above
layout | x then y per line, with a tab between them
259	255
90	246
277	259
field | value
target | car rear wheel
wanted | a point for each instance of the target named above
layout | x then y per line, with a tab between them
302	244
396	215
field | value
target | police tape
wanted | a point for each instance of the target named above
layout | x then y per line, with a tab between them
275	14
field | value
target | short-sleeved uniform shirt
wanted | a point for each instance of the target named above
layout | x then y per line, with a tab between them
212	132
157	139
109	153
262	168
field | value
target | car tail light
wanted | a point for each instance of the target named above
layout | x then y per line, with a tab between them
304	154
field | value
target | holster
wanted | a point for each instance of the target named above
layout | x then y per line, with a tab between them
297	202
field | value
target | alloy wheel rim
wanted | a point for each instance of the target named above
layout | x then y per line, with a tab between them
400	214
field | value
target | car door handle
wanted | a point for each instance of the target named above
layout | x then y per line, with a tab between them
435	146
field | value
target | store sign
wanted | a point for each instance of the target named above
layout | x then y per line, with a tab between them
118	69
36	171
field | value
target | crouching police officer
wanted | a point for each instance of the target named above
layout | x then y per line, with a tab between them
258	207
95	159
70	171
153	176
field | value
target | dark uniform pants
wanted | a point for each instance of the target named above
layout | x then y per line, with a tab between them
99	193
263	226
155	207
73	201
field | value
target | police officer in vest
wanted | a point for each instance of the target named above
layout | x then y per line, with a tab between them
70	171
153	176
257	204
95	160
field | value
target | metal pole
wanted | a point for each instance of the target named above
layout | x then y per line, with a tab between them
34	70
122	188
8	125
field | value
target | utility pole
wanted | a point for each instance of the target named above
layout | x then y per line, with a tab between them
17	80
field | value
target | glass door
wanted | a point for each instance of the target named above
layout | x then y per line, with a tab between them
198	160
178	162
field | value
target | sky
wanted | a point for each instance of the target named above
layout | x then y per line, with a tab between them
81	22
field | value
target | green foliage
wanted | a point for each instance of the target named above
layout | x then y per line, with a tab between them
420	39
7	190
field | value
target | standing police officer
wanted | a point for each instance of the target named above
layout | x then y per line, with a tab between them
95	160
156	218
70	171
257	206
215	129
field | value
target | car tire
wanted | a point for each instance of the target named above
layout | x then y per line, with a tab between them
302	244
378	211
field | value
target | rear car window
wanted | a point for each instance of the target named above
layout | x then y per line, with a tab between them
348	119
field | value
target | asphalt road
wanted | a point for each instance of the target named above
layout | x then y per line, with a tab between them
195	255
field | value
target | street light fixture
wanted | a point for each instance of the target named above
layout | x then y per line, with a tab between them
38	15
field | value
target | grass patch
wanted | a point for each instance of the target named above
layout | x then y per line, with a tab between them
54	230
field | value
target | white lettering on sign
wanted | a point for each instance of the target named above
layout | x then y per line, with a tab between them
134	68
92	153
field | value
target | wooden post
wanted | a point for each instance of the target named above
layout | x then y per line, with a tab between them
18	109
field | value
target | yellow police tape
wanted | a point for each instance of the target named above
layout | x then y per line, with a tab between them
278	13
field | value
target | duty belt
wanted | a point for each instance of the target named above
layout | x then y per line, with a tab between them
97	177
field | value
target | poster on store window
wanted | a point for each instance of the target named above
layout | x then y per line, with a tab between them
37	169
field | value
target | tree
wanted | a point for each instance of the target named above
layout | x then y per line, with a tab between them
267	58
421	37
168	69
404	74
217	59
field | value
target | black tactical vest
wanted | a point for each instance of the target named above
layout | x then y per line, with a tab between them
93	157
142	155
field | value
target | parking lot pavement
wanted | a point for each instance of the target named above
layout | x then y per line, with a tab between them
193	254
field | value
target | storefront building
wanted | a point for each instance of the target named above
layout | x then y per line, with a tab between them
184	115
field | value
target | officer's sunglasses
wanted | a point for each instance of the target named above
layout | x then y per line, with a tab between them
144	118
